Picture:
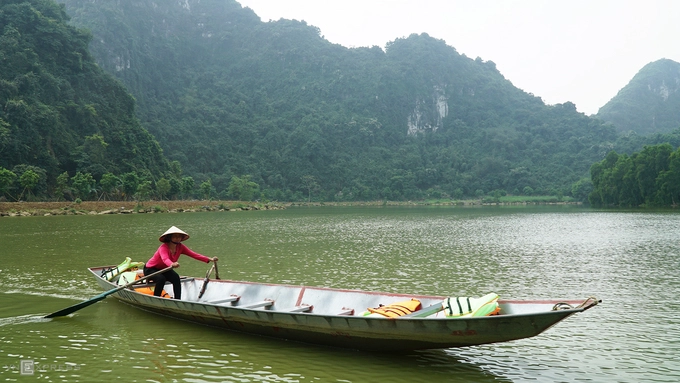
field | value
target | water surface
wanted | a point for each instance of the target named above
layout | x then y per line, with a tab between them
629	259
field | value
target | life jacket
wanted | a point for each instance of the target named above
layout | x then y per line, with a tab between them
471	307
131	276
397	309
149	291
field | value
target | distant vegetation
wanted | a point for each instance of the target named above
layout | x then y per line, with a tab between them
225	106
650	177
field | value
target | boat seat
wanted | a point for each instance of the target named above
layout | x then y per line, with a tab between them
346	311
233	298
263	304
299	309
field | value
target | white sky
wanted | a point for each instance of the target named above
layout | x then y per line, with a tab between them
583	51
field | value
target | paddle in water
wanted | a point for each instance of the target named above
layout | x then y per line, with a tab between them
101	296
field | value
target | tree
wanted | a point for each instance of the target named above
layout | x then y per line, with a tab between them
206	188
242	189
581	189
111	185
187	187
130	184
83	184
175	187
28	181
63	181
309	183
162	188
143	190
7	178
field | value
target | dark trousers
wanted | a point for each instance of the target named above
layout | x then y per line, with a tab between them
168	276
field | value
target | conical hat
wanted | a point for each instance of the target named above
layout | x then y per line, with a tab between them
171	231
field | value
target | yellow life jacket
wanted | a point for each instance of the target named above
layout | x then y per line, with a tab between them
397	309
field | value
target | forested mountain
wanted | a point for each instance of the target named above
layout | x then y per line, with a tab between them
59	111
228	95
650	103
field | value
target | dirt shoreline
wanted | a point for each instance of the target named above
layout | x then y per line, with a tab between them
25	209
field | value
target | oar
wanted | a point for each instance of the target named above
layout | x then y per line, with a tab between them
206	280
101	296
217	272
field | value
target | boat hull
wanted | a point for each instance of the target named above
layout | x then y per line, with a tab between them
327	322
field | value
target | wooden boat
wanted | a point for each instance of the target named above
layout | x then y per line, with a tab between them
338	317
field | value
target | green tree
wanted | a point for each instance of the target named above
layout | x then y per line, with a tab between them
187	187
63	182
309	183
144	190
163	187
28	180
83	184
175	187
242	189
130	182
581	189
206	188
111	185
7	178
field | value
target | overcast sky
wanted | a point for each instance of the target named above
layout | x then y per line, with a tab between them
583	51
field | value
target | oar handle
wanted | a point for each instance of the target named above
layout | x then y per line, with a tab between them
217	272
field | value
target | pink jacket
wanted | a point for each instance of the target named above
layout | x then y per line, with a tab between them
162	257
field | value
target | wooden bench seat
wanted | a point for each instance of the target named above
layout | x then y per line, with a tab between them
233	298
346	311
257	305
298	309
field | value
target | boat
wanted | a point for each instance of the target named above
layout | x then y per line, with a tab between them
341	318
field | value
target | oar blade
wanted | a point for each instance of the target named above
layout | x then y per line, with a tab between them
103	295
76	307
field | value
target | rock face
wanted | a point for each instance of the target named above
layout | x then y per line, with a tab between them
429	114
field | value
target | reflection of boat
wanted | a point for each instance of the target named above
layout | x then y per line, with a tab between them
338	317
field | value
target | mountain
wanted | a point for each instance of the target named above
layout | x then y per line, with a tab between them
227	95
650	103
60	112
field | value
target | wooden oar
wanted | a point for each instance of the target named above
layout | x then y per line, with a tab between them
101	296
206	280
217	272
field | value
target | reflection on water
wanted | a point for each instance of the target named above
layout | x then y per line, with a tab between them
627	259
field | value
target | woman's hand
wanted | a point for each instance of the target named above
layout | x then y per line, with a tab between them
175	265
214	259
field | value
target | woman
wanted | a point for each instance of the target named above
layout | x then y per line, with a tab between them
167	255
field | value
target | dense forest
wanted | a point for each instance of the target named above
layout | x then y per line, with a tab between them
650	177
61	115
244	109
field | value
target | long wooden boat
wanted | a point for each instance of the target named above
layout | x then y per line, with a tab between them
338	317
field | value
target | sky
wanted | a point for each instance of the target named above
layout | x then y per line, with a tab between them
582	51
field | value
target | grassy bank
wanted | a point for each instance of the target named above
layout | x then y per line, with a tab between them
14	209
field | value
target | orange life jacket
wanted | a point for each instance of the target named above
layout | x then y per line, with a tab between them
397	309
149	291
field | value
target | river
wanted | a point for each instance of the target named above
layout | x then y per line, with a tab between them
628	259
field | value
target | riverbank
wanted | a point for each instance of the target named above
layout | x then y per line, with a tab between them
25	209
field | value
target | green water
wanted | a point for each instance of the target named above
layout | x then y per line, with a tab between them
627	259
